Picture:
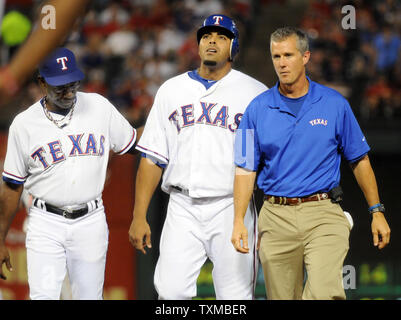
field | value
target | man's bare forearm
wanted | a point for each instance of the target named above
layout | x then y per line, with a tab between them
366	179
243	188
43	41
9	200
147	179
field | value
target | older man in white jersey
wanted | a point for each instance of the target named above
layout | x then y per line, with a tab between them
58	150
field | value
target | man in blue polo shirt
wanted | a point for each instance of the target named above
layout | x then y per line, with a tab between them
291	138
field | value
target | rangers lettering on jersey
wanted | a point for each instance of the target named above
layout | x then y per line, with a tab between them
219	117
92	147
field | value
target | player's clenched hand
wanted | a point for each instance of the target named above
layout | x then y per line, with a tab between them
380	230
4	258
239	238
139	234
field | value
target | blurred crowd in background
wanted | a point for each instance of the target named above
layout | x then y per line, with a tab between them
364	63
128	48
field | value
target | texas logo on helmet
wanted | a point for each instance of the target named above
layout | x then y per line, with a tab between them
217	19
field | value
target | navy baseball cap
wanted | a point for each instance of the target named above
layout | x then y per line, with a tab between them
60	68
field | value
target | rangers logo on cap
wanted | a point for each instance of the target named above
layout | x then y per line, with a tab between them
62	60
217	19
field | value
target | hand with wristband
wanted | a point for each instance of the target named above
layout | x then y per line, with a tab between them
365	176
380	229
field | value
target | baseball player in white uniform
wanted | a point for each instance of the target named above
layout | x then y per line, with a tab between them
190	133
58	149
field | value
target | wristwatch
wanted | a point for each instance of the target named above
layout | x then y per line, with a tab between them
376	208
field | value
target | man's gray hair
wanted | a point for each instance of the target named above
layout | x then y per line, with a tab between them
286	32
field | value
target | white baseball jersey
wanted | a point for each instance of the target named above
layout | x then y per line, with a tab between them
66	167
191	129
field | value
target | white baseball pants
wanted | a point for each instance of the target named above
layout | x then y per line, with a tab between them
56	245
197	229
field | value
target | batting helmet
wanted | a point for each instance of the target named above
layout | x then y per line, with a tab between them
223	22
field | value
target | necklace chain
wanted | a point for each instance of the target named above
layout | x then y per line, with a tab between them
61	123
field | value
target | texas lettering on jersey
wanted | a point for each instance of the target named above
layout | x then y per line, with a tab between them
211	114
81	145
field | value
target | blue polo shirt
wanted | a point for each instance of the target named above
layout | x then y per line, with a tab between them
298	155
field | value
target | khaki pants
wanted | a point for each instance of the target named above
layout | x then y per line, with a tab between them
313	235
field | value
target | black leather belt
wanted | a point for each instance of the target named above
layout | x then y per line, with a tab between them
69	214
